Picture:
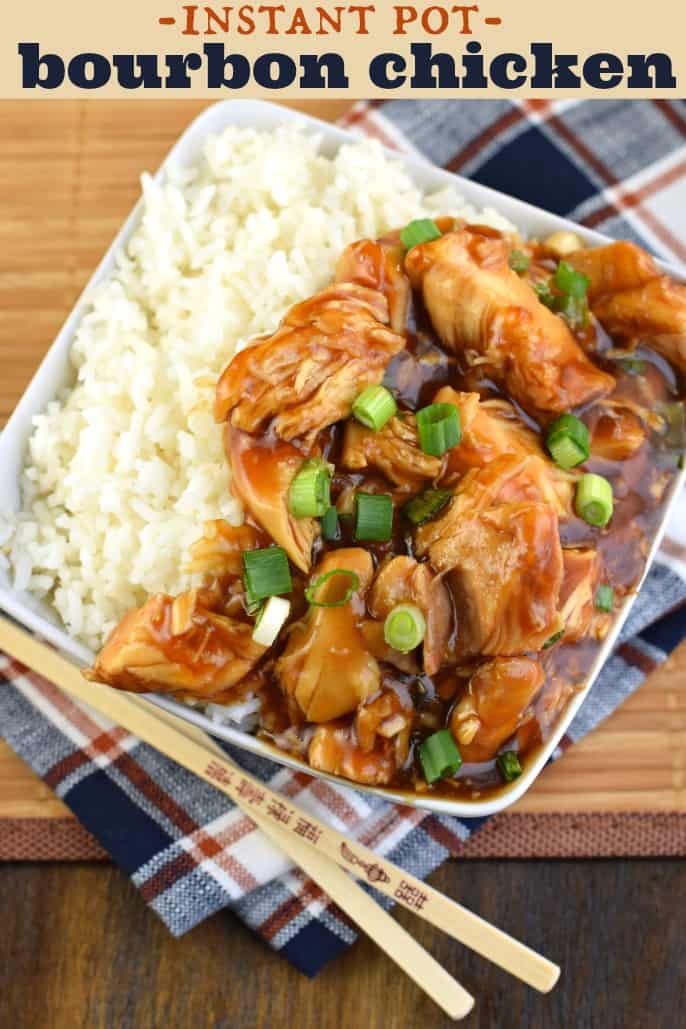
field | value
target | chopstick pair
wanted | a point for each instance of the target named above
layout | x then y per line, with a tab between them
294	825
360	907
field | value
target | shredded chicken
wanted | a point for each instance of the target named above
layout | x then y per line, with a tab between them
261	476
373	749
617	433
394	451
582	574
633	300
402	580
326	666
492	429
379	265
498	544
308	373
219	551
184	645
497	697
477	302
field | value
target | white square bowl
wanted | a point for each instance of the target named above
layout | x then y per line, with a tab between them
54	371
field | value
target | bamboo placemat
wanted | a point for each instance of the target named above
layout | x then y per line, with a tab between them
68	176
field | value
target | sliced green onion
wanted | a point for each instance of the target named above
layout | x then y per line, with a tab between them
573	309
439	756
373	517
544	293
553	640
331	530
422	230
439	428
266	573
509	766
309	493
673	415
567	441
315	588
426	505
404	628
374	407
519	261
634	365
568	280
270	620
593	500
604	598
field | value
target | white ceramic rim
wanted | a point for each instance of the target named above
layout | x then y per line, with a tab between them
53	372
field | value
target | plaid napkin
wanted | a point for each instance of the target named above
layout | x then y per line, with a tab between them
189	852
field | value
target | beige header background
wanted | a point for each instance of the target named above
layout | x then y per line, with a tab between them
107	27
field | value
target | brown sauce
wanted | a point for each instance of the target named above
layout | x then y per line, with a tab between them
640	486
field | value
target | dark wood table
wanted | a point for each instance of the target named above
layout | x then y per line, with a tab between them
78	948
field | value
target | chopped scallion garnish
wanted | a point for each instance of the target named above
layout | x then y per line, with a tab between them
673	415
309	493
404	628
567	441
422	230
634	365
573	309
604	598
373	517
426	505
318	594
544	293
439	756
594	501
555	638
266	573
568	280
509	766
519	261
330	527
270	620
374	407
439	428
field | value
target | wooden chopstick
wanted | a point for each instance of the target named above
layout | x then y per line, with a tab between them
405	889
395	941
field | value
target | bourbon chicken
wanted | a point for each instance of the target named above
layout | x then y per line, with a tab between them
449	481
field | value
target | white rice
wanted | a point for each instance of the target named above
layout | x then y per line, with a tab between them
126	464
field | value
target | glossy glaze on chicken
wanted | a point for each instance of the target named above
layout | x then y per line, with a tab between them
515	590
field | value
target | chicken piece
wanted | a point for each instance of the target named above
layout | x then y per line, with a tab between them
262	472
582	571
394	451
491	429
219	551
633	300
497	697
498	544
306	376
375	642
326	666
378	264
183	645
478	304
654	313
616	432
402	580
617	266
373	750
